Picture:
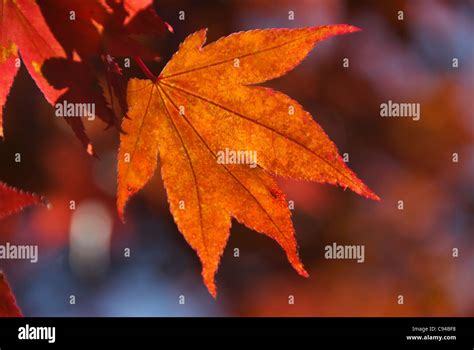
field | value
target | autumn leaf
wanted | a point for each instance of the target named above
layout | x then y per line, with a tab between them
46	33
202	104
23	32
113	27
80	81
8	307
98	31
13	200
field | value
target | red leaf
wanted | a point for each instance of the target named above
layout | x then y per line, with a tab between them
13	200
100	30
103	26
78	34
23	29
8	69
80	79
8	307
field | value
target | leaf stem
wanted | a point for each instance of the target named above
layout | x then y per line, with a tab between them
145	69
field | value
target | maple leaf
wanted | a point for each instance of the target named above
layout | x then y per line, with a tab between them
202	103
8	307
24	32
103	26
13	200
80	81
100	29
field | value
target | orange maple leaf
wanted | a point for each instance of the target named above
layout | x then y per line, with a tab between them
203	104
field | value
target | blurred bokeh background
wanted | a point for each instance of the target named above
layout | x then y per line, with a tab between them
409	252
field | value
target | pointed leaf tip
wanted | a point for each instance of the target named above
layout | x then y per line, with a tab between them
212	289
13	200
8	305
169	27
302	272
337	29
